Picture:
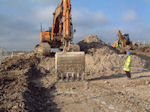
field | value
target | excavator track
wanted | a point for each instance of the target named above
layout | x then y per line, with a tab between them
70	66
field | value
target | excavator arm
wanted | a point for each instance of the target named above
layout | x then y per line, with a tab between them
57	19
61	27
121	37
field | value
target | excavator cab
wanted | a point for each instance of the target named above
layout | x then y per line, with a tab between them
126	36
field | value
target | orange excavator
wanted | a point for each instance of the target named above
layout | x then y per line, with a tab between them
60	34
123	42
68	64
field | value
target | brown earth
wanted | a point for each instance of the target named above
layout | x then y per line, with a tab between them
28	83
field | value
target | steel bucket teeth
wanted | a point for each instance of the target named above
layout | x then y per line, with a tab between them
70	77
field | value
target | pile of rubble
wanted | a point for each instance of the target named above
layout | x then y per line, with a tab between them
102	58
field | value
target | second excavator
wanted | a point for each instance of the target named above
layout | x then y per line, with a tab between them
123	42
69	62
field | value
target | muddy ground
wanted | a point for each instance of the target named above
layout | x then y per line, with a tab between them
28	83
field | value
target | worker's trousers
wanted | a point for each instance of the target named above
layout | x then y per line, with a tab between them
128	74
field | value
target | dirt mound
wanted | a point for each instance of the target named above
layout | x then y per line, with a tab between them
18	90
142	49
90	43
102	58
99	63
92	38
19	62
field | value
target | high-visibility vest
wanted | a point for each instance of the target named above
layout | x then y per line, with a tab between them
127	64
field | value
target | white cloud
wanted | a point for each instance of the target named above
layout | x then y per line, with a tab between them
52	1
44	15
22	31
140	32
86	18
45	2
130	16
86	22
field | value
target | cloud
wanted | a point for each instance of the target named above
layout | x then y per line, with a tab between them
45	2
52	1
86	18
20	29
140	33
16	33
87	22
130	16
45	15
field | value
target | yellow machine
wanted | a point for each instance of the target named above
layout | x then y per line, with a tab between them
123	41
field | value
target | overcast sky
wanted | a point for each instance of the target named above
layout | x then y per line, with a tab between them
20	20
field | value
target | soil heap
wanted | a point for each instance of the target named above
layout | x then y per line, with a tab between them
103	58
18	91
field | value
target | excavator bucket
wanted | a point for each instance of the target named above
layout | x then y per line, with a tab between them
115	44
70	66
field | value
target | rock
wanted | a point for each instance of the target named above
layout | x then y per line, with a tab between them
14	107
111	107
106	82
147	82
103	102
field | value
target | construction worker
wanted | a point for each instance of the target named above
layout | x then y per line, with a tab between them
128	65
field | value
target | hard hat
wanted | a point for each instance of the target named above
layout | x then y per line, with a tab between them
129	53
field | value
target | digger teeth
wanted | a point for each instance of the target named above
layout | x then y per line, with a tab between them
70	77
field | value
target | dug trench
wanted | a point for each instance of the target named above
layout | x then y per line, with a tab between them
38	98
21	88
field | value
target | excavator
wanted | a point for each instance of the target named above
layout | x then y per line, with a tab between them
123	42
69	62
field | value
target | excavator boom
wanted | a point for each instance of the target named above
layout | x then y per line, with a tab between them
61	28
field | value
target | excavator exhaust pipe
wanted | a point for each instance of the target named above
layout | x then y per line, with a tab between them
70	66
